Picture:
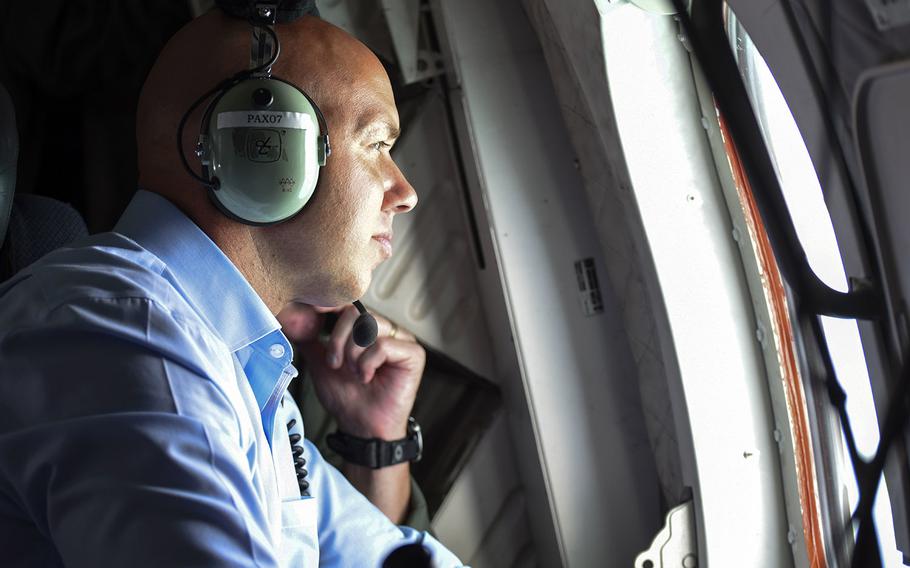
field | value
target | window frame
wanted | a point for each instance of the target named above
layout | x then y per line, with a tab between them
868	297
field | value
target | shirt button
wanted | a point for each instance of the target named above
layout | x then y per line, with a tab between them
276	351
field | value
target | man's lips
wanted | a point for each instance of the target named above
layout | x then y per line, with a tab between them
385	241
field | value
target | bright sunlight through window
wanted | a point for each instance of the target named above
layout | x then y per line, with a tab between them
806	204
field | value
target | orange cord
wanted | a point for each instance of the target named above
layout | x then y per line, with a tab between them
776	297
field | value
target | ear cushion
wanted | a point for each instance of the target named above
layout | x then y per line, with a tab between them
263	144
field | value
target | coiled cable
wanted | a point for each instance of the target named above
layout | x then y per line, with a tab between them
299	460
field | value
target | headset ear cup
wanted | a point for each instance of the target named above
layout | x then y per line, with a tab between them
323	149
265	151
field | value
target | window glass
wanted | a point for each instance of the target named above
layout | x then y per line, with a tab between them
807	208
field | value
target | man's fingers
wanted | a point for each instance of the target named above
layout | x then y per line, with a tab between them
340	335
397	332
341	349
387	328
352	351
406	355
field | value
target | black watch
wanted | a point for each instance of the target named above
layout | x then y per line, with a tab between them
375	453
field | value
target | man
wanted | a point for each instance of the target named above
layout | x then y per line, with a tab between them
143	374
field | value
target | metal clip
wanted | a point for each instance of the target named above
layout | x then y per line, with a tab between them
262	45
674	544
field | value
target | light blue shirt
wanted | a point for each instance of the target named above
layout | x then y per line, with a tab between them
143	414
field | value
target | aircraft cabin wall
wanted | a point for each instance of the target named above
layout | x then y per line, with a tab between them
566	476
597	272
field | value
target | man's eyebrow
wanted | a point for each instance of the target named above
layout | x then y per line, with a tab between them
373	125
394	131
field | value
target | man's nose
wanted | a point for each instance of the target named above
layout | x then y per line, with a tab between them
400	196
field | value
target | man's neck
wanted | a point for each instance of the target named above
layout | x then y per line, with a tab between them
235	240
237	243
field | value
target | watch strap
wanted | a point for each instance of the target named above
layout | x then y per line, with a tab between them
376	453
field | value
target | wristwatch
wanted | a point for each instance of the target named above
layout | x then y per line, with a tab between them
375	453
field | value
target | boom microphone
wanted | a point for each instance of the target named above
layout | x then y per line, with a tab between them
365	328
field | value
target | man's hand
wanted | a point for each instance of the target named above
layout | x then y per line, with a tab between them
370	392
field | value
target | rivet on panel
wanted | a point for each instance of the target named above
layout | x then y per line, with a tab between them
760	335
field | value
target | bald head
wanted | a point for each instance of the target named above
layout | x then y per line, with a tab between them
323	60
325	254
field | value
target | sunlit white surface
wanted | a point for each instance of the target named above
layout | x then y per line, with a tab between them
581	432
734	467
806	204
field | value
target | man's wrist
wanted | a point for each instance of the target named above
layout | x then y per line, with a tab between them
376	452
388	488
386	433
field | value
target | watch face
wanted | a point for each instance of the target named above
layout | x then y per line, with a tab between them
414	433
376	453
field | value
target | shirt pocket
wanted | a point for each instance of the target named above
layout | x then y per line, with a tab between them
299	535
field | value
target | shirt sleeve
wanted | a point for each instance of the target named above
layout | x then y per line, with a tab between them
352	531
121	450
318	424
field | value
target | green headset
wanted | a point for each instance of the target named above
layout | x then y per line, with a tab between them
262	140
261	143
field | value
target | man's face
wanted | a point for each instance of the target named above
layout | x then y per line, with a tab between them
328	252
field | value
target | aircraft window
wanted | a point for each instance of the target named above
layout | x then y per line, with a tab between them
805	202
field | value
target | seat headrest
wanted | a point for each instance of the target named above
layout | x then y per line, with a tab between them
37	226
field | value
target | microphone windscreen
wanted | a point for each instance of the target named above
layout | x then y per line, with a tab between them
365	330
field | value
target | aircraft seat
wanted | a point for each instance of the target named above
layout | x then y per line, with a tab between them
30	225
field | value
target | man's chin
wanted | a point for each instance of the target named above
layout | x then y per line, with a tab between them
348	290
364	286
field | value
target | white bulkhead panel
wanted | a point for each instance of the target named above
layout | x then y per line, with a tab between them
577	380
566	476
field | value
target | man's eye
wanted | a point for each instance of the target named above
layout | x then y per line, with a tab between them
380	146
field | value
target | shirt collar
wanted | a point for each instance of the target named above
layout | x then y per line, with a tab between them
208	279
